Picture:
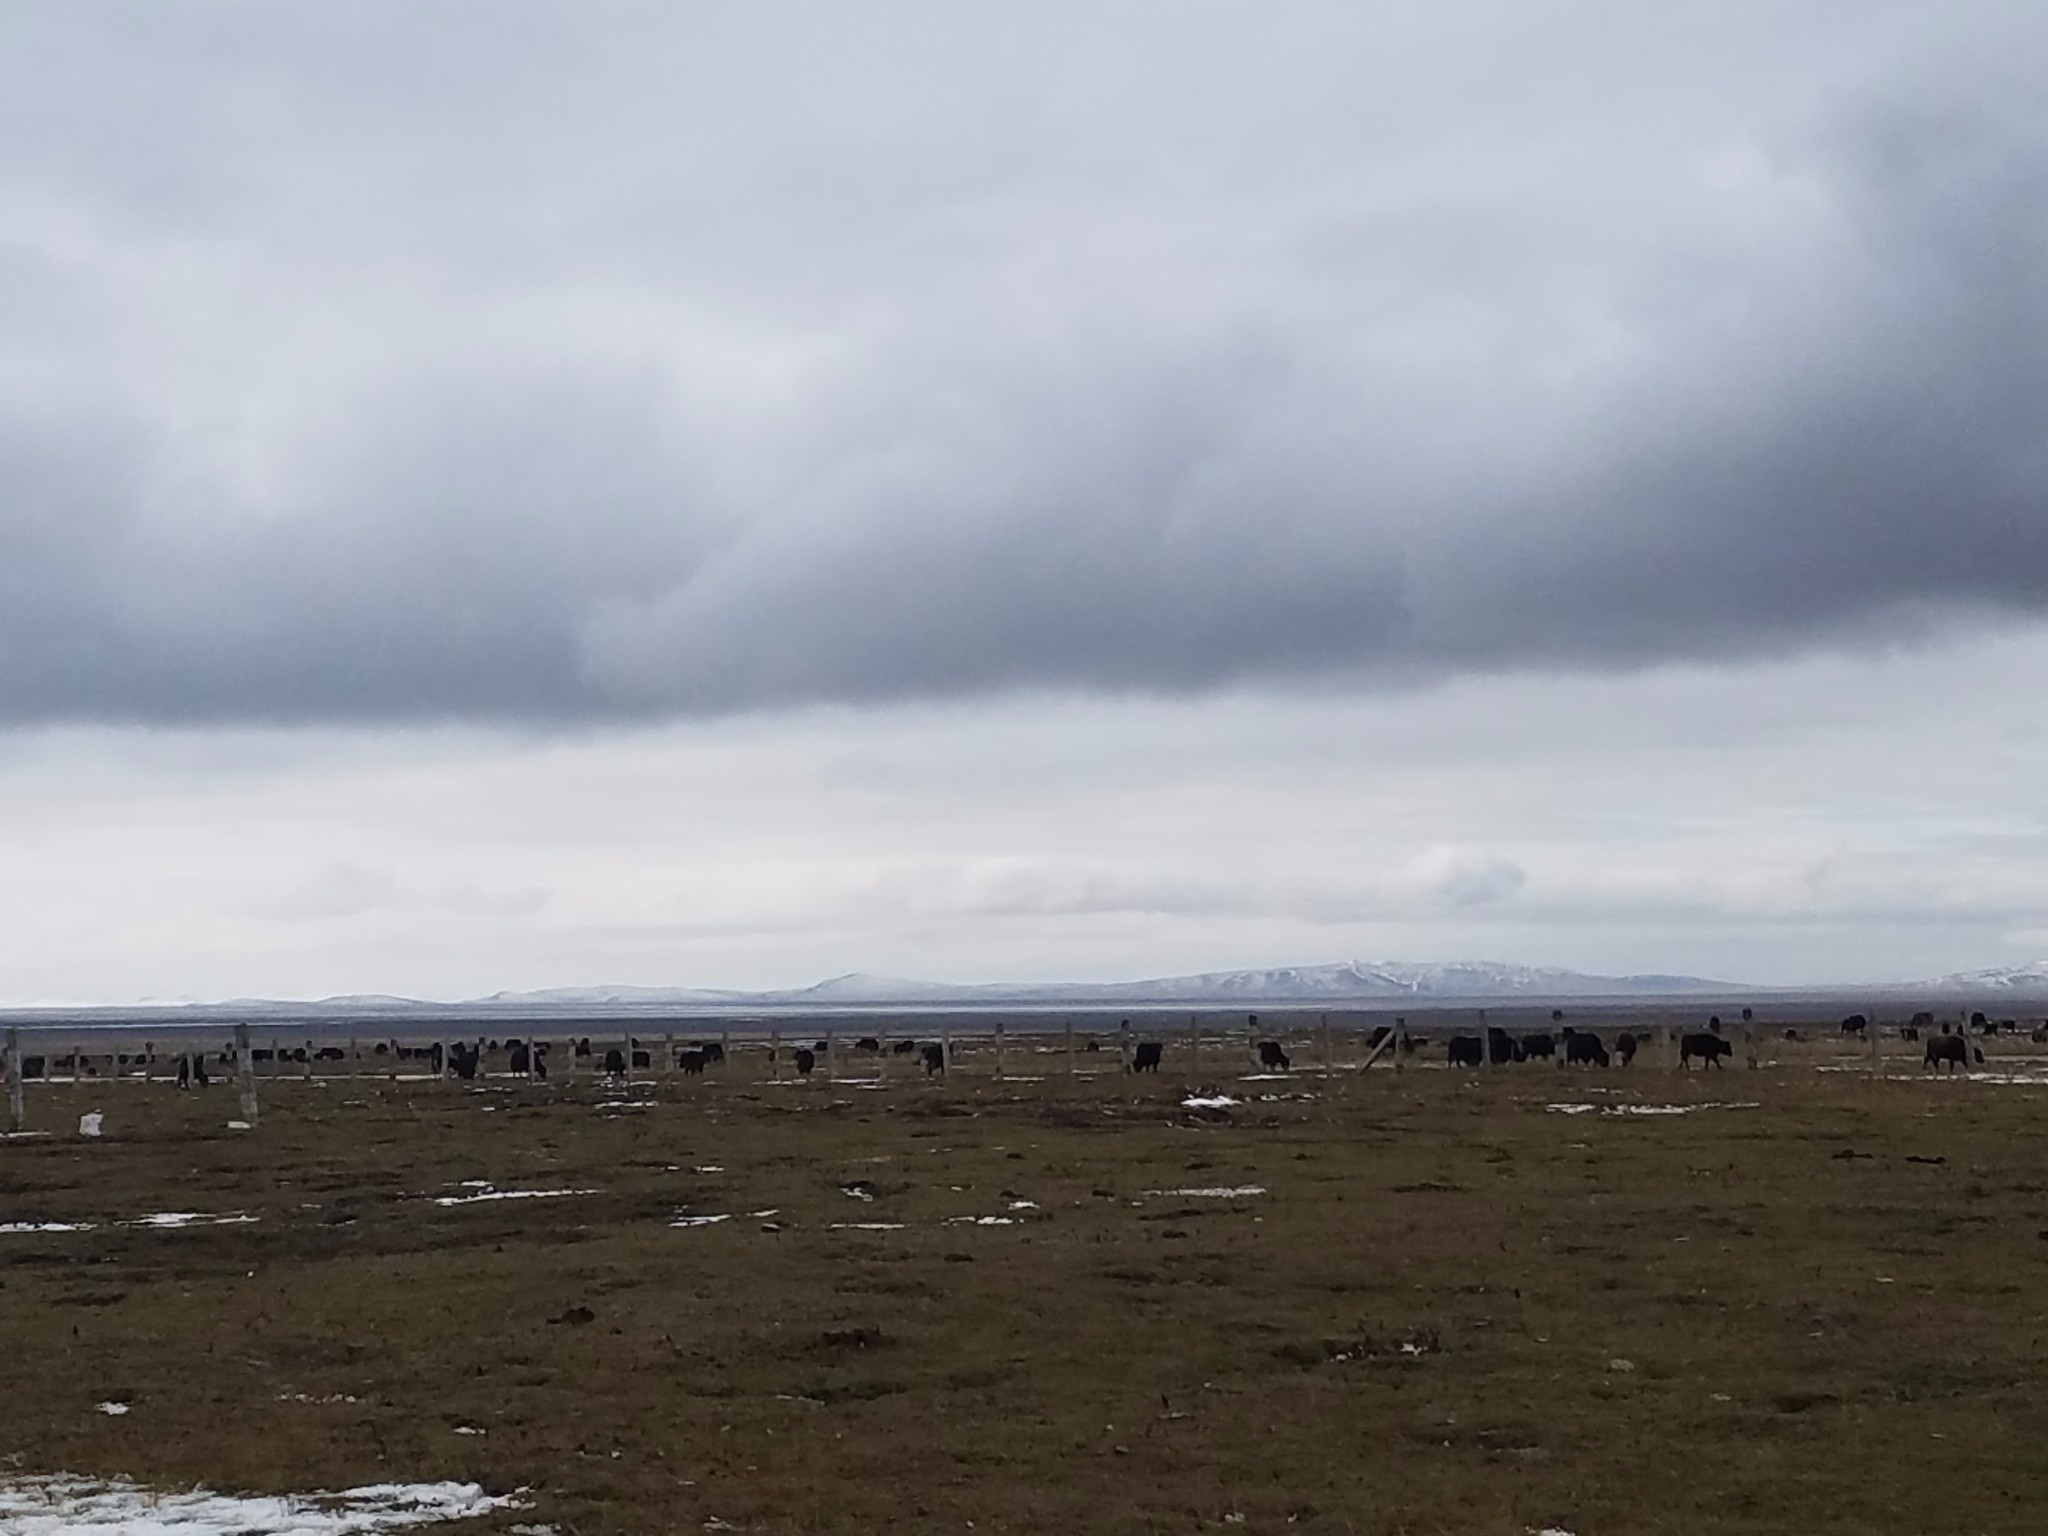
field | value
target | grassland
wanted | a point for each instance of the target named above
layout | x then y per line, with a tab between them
1453	1308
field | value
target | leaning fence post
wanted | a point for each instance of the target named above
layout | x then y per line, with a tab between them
17	1110
245	1070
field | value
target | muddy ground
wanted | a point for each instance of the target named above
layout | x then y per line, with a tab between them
1814	1303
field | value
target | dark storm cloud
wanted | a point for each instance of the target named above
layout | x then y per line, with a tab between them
376	364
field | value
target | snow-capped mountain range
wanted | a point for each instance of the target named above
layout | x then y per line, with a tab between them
1346	982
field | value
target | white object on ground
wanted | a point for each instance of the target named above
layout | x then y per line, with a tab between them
45	1226
191	1219
89	1125
698	1221
1209	1101
505	1194
112	1409
1212	1194
81	1506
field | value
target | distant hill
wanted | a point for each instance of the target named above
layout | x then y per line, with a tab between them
1349	981
2008	981
1346	981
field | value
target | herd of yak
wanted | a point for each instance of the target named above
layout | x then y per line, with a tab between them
1945	1050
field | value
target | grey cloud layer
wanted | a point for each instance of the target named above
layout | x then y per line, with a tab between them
374	364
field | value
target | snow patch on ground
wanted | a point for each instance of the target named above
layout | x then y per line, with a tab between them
45	1226
192	1219
1644	1109
1237	1192
80	1506
699	1221
511	1194
1209	1101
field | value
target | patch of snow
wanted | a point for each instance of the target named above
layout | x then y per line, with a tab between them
89	1125
1209	1101
867	1226
1237	1193
80	1506
981	1221
699	1221
1571	1109
239	1125
45	1226
511	1194
707	1168
113	1410
1023	1205
1670	1109
191	1219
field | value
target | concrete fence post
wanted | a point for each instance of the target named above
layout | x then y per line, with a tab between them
831	1055
245	1072
17	1109
1069	1030
946	1044
1123	1042
1329	1058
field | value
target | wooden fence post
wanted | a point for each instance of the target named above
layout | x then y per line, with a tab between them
775	1053
999	1050
1485	1041
1329	1059
1070	1047
1123	1042
1876	1057
831	1055
946	1044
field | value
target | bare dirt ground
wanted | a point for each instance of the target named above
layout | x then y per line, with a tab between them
1814	1303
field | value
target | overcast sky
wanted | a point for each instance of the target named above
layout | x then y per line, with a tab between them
506	495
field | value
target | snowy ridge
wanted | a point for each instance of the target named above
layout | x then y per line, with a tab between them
2015	981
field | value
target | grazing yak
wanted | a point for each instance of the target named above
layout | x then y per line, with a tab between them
1709	1048
867	1043
1146	1057
1951	1052
1583	1048
805	1061
692	1063
614	1062
1271	1056
1855	1024
1465	1050
934	1059
1625	1045
1542	1045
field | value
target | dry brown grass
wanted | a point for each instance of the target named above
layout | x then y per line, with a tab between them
1454	1310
